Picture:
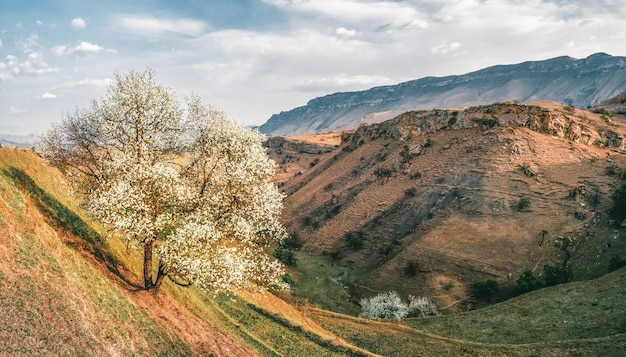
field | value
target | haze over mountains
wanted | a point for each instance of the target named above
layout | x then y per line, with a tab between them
578	82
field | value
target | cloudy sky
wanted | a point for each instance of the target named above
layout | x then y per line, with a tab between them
257	58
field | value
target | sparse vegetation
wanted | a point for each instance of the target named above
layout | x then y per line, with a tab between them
616	262
410	192
528	281
487	123
286	256
354	240
382	172
453	117
485	289
554	275
618	211
523	204
410	269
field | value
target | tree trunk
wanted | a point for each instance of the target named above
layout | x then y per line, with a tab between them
147	265
160	275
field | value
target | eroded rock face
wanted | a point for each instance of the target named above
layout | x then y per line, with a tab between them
279	142
567	123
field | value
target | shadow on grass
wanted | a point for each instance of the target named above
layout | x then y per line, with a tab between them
63	218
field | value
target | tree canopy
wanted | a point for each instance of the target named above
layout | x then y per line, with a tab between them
192	188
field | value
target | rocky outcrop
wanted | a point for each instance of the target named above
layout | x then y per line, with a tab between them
303	147
578	82
567	123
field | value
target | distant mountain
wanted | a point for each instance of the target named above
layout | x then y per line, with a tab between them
615	105
19	140
578	82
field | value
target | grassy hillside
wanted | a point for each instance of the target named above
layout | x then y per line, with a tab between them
66	290
54	301
581	318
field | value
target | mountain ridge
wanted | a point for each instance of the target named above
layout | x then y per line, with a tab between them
578	82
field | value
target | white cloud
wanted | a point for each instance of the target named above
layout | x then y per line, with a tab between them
34	65
39	22
344	32
155	26
48	95
445	47
82	49
381	13
16	111
340	82
78	23
0	43
94	82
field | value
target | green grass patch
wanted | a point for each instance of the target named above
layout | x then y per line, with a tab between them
579	310
324	284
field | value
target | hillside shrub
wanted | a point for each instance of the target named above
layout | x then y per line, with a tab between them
523	204
554	275
420	306
528	281
354	240
389	305
616	262
486	122
286	256
410	192
618	212
485	289
382	172
410	269
416	175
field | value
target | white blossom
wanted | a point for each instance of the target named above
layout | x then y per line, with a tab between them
197	188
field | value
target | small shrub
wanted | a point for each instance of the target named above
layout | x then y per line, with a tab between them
528	281
416	175
616	262
382	172
410	192
288	279
568	108
428	143
554	275
453	117
328	186
286	256
618	211
354	240
410	269
485	289
420	306
486	122
314	162
523	204
448	285
386	250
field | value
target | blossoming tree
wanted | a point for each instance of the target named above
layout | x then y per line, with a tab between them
191	188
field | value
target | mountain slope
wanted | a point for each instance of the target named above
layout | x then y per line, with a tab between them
579	82
463	196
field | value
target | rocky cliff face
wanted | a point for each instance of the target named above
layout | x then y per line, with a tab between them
578	82
565	122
